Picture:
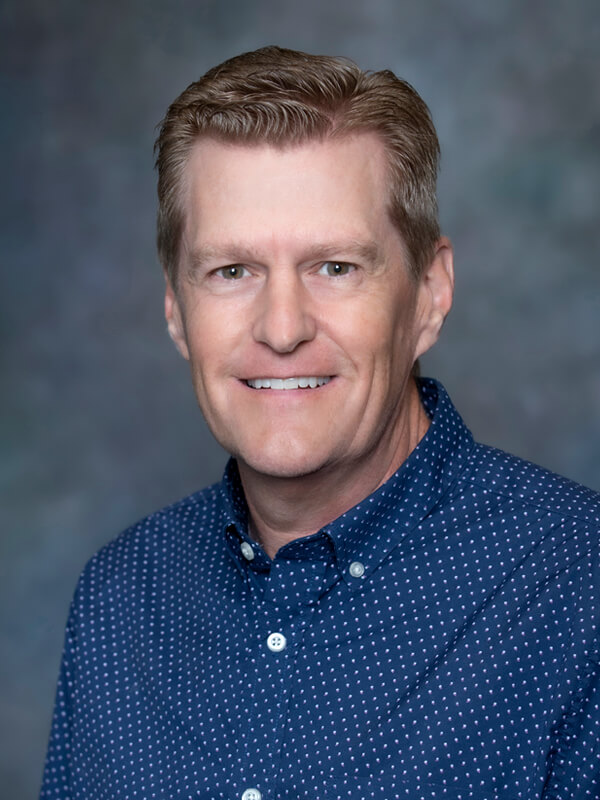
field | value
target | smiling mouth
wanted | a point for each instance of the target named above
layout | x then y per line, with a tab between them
287	383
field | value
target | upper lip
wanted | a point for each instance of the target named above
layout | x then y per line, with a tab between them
273	376
289	373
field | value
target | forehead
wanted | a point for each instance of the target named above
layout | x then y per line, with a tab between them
309	189
330	148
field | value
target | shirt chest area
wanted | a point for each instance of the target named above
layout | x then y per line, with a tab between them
304	673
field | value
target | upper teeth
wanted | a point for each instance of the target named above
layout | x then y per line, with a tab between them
287	383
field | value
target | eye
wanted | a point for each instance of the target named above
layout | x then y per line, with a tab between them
233	272
336	269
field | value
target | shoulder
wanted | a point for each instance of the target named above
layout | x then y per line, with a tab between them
160	543
526	484
541	530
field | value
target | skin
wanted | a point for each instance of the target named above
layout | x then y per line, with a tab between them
290	266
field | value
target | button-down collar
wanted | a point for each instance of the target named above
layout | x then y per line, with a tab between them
367	533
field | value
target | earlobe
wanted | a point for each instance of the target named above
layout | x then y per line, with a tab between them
435	295
174	319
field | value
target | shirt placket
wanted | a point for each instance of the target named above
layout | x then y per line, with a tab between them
281	611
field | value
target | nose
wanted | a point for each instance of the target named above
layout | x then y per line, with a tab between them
283	315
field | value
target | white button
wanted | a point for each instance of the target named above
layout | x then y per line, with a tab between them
247	551
356	569
251	794
276	642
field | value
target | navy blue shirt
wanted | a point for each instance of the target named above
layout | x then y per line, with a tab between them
438	640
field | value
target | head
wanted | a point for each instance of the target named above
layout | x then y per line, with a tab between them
285	98
305	271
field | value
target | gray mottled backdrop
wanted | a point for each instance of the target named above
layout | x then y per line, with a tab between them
99	425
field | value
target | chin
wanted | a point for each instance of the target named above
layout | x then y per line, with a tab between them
276	454
283	464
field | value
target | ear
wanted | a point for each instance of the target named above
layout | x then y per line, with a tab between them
434	299
174	317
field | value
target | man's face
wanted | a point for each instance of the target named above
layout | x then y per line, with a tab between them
295	307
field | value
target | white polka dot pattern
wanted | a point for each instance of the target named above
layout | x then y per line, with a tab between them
439	640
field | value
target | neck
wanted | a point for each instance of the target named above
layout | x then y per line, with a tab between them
284	509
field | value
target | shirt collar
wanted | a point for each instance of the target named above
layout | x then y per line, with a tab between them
369	531
382	521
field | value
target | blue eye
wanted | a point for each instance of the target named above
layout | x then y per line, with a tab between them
233	272
336	268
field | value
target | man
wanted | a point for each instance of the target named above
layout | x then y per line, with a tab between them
370	605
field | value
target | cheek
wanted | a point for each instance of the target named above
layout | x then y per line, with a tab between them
386	337
207	333
216	350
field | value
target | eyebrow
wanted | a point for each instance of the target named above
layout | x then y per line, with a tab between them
364	251
241	254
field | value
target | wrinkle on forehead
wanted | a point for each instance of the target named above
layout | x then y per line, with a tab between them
261	207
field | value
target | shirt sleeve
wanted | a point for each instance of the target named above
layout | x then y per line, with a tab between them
56	784
575	771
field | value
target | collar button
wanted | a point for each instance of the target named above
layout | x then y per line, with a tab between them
247	551
356	569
